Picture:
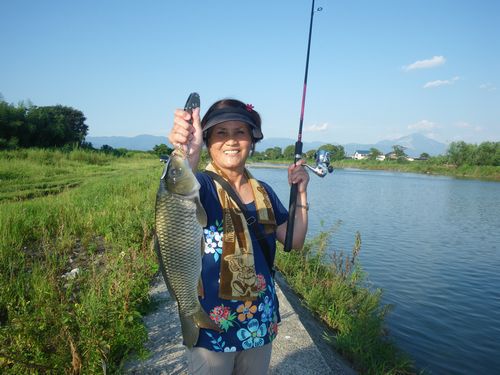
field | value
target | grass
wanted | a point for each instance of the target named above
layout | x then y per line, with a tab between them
425	167
332	285
98	220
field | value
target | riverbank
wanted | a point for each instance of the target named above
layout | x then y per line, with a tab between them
490	173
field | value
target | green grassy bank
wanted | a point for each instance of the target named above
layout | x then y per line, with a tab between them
65	211
486	172
94	213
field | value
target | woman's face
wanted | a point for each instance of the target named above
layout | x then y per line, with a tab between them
230	144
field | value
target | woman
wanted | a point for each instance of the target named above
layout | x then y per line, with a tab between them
238	287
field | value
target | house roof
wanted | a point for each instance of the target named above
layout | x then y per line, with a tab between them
362	152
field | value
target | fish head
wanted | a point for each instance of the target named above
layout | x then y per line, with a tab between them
179	176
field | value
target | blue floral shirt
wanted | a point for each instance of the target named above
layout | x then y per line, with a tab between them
244	324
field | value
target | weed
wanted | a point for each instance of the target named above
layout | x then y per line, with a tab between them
332	284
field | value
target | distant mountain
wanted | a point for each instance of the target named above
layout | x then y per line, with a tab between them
415	144
143	142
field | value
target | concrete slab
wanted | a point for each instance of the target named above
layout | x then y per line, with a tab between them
298	349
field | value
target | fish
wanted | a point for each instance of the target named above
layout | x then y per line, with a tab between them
179	243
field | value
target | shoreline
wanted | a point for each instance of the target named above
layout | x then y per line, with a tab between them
432	170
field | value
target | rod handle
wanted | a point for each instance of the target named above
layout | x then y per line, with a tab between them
293	201
291	217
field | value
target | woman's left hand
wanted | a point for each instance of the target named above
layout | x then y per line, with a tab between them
297	174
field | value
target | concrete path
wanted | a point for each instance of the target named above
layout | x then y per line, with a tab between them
298	349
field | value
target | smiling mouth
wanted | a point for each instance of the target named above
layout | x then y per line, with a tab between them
231	152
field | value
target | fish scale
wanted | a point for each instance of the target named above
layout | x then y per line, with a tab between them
181	215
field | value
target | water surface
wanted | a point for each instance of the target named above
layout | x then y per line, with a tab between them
432	244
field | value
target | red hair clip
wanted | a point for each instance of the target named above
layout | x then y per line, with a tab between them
249	107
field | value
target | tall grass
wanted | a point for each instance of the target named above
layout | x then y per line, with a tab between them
101	228
333	286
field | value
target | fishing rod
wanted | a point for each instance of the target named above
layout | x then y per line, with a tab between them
298	145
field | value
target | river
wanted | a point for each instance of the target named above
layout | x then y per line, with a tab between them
432	244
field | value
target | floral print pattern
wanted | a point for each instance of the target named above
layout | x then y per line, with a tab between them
218	345
261	284
253	335
266	308
223	316
272	330
246	311
213	240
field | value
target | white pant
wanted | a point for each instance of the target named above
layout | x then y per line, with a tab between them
254	361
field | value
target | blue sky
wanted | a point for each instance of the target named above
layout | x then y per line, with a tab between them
378	69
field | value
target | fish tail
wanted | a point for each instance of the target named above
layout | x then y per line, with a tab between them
190	330
190	326
203	321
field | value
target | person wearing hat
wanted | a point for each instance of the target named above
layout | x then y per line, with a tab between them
245	218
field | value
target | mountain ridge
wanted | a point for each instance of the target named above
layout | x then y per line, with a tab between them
415	144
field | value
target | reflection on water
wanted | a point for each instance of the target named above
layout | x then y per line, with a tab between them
431	243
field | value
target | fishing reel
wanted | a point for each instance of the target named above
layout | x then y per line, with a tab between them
323	167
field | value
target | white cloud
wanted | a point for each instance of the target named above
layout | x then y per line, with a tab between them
425	64
466	125
423	125
317	128
439	83
463	125
487	86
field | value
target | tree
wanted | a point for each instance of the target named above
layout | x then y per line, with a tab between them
374	153
424	155
12	124
487	153
29	126
460	153
310	154
162	149
289	152
257	156
336	152
107	149
273	153
399	151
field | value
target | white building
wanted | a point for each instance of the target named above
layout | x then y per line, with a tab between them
361	154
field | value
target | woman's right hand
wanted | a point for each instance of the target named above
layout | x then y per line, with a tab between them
184	134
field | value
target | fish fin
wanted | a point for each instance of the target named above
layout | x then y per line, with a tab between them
190	326
201	215
202	320
158	255
201	291
190	331
162	266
